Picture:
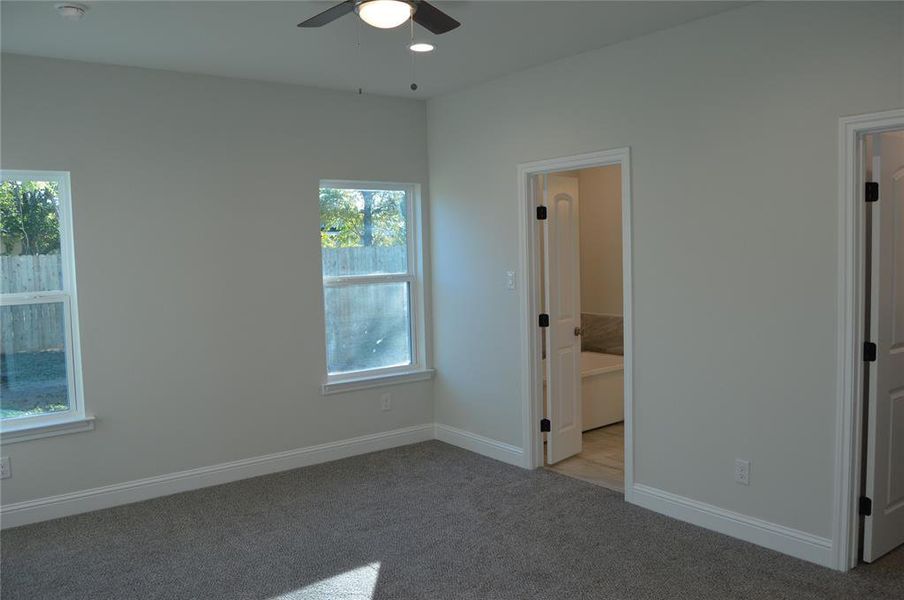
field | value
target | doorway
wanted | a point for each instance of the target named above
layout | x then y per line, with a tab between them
580	254
870	481
882	450
576	309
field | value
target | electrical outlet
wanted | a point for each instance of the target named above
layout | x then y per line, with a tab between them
386	402
4	468
742	471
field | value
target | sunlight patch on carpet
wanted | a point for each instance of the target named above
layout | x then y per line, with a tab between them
356	584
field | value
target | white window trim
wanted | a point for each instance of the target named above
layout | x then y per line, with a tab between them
51	427
419	369
74	419
372	381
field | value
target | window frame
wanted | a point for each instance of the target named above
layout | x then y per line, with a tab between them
73	419
414	276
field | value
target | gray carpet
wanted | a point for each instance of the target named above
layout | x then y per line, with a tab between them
423	521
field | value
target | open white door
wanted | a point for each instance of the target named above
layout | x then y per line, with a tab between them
563	304
883	529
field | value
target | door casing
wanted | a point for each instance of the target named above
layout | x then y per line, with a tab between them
850	327
529	264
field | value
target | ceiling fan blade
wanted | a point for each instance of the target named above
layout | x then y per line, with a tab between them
433	19
329	15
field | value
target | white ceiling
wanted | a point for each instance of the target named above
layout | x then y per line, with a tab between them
259	40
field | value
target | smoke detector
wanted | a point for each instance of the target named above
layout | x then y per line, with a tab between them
71	11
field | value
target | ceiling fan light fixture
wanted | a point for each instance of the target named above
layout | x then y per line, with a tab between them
421	47
384	14
71	10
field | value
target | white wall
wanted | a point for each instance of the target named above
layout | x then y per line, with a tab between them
732	123
197	249
601	240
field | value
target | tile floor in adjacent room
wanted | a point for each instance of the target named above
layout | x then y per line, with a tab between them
602	459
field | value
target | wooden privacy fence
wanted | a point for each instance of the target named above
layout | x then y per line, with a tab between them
364	260
39	327
31	327
44	272
366	325
31	273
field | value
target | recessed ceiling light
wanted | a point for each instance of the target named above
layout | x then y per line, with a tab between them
421	47
71	11
384	14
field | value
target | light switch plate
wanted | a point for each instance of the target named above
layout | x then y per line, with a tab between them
742	471
509	280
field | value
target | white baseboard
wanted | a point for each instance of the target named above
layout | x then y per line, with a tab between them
479	444
52	507
770	535
750	529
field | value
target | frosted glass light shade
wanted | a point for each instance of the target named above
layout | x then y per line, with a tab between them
385	14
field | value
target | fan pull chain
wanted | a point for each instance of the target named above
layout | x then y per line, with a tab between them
360	63
411	41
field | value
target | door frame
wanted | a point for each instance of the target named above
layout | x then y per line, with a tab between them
529	263
849	334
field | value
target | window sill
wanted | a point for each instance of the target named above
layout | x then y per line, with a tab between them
35	432
366	382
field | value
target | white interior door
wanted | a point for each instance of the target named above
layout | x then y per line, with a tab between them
884	527
563	304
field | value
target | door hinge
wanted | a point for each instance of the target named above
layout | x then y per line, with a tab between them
869	352
866	506
871	191
544	320
541	213
545	425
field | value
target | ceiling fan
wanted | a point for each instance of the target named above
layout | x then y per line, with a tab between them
386	14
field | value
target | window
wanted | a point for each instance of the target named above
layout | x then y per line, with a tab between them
39	363
371	263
